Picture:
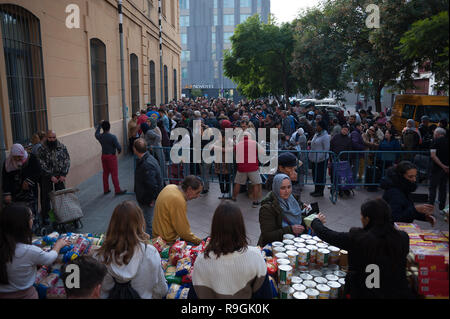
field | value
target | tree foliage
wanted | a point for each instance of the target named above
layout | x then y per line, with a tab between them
259	59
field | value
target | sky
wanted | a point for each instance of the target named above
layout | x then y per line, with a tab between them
287	10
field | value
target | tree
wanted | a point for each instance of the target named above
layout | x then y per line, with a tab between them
319	54
427	43
259	59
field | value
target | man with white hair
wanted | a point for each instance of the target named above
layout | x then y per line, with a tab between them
440	168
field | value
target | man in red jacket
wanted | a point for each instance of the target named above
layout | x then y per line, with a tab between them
248	168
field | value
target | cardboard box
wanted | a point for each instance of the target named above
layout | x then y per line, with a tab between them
428	270
434	287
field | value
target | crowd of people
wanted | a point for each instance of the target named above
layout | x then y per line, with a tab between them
127	263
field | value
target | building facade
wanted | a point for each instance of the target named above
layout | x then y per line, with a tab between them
205	30
62	73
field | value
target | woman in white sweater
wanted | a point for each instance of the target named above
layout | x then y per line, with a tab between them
229	268
18	257
128	256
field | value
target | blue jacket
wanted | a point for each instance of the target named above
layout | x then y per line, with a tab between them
393	145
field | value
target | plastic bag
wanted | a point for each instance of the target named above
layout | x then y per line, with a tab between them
183	267
177	292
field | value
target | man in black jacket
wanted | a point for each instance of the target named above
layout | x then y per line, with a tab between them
147	181
340	143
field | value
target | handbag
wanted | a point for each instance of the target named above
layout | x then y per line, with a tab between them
66	205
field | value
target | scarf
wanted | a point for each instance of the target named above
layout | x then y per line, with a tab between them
10	163
292	213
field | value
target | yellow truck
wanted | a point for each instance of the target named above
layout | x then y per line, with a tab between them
410	106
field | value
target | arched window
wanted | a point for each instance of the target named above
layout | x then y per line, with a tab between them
22	47
99	81
152	83
166	86
175	84
134	67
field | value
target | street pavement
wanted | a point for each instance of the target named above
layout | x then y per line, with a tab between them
341	216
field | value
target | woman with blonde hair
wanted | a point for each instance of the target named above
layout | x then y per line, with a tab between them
133	264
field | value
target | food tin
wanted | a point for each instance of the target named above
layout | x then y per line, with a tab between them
299	245
320	280
281	262
300	295
332	277
322	257
278	249
277	243
296	280
343	259
285	274
312	293
324	291
306	236
288	236
299	287
303	256
292	255
290	247
317	239
333	267
311	242
334	289
312	253
299	240
333	259
288	242
281	256
306	276
286	292
322	245
340	273
309	284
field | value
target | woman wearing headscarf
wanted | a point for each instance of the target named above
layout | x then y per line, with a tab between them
280	213
20	176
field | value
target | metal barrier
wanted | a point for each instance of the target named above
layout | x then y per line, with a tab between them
370	166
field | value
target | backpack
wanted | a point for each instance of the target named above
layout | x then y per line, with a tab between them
410	139
123	291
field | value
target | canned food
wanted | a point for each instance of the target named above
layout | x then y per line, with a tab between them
281	256
288	236
326	271
322	257
335	287
292	255
343	259
312	293
306	276
333	259
322	245
290	247
340	273
306	236
332	278
299	245
299	287
285	274
296	280
309	284
317	239
288	242
315	273
300	295
299	240
320	280
311	242
277	243
312	253
286	292
324	291
303	269
303	256
281	262
278	249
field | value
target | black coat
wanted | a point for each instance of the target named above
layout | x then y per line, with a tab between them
340	143
399	198
12	181
147	180
393	282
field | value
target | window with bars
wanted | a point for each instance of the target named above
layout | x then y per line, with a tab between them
134	68
22	47
175	95
152	83
99	80
166	86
